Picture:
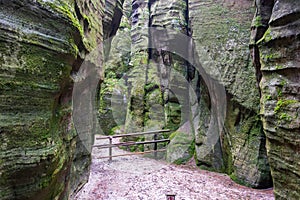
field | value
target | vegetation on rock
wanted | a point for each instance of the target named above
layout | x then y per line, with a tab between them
44	43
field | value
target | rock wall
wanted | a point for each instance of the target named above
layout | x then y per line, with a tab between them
276	50
41	44
220	30
116	61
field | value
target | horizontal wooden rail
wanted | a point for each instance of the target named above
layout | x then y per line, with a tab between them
131	154
132	143
103	146
132	134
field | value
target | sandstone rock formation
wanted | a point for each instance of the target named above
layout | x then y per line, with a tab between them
220	30
276	52
250	105
42	44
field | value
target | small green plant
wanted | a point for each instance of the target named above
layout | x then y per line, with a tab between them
280	93
258	21
282	83
268	97
268	57
283	103
285	116
266	38
277	67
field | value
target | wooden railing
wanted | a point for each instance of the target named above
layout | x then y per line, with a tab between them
110	145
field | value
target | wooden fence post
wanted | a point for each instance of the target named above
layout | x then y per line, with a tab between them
170	196
110	149
155	146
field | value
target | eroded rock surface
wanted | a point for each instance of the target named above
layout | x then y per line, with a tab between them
42	43
276	49
157	80
221	32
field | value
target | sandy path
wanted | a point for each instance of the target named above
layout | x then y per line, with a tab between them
137	178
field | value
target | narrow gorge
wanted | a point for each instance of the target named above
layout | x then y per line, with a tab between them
222	75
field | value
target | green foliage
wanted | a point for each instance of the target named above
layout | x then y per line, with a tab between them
258	21
279	92
271	56
268	97
116	130
266	37
282	83
172	136
283	103
135	148
277	67
285	117
229	168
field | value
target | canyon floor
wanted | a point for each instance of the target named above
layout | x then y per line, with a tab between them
141	178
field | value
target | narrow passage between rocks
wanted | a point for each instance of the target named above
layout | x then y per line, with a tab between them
138	177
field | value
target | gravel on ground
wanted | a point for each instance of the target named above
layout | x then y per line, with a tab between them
141	178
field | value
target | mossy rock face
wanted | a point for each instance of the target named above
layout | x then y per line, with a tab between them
150	104
221	32
279	47
41	43
244	149
181	148
114	89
